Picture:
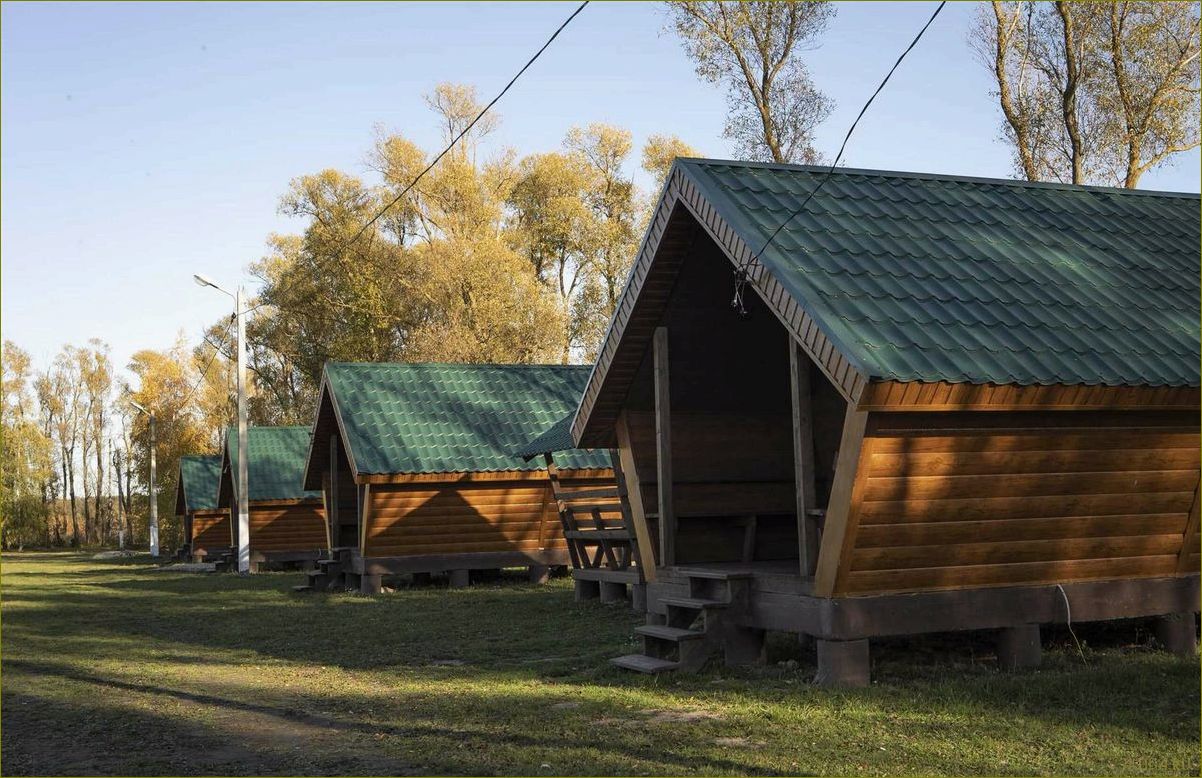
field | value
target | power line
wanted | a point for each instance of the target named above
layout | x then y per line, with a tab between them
209	366
741	273
388	206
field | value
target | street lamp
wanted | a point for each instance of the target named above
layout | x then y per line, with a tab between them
242	499
154	502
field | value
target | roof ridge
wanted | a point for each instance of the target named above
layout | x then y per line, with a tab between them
920	176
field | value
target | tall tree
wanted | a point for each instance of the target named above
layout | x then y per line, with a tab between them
164	381
1092	92
26	462
659	152
754	50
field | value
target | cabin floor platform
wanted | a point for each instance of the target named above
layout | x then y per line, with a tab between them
713	610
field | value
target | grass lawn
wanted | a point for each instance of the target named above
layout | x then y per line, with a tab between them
112	667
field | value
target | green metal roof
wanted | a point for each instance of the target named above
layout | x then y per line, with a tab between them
937	278
453	418
277	462
556	438
199	475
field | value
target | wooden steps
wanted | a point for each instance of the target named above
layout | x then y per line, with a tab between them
673	634
693	629
641	663
694	603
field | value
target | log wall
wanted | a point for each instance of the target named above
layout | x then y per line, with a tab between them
957	500
210	530
287	527
472	516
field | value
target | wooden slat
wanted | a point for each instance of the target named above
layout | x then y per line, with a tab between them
597	535
1039	461
970	440
1001	530
588	494
1004	575
1028	485
944	396
980	509
457	546
1011	551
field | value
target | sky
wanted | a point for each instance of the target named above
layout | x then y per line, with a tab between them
141	143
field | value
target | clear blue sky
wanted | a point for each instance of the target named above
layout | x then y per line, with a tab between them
144	142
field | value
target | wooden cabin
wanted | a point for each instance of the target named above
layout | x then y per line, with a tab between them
923	404
206	530
418	467
287	523
600	532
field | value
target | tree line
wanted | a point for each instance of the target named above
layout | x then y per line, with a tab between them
498	257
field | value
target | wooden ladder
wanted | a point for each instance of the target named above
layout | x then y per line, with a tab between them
598	528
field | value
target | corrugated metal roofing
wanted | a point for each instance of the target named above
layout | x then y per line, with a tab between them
200	475
935	278
276	466
453	418
556	438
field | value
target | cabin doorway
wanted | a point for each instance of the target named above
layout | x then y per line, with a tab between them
728	422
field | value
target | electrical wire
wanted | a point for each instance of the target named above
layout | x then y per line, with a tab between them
391	203
212	359
741	273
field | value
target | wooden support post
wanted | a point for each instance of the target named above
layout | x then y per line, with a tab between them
364	516
612	591
332	506
842	514
663	447
460	578
634	496
803	458
371	583
539	574
743	646
1018	648
586	590
638	597
842	663
1177	633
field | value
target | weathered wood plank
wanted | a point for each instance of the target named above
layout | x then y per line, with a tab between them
1012	551
1002	530
803	458
842	514
1010	574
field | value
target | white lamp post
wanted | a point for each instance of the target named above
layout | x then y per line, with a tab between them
154	502
241	499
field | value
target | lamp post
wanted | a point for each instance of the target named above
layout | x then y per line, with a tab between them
154	502
242	498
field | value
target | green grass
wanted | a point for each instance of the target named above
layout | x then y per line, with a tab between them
111	667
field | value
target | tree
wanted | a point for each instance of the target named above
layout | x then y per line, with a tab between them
164	380
26	459
659	152
754	49
1092	92
1153	48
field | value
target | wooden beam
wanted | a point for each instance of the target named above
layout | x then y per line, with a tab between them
364	516
332	515
803	458
663	447
842	512
325	504
634	498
